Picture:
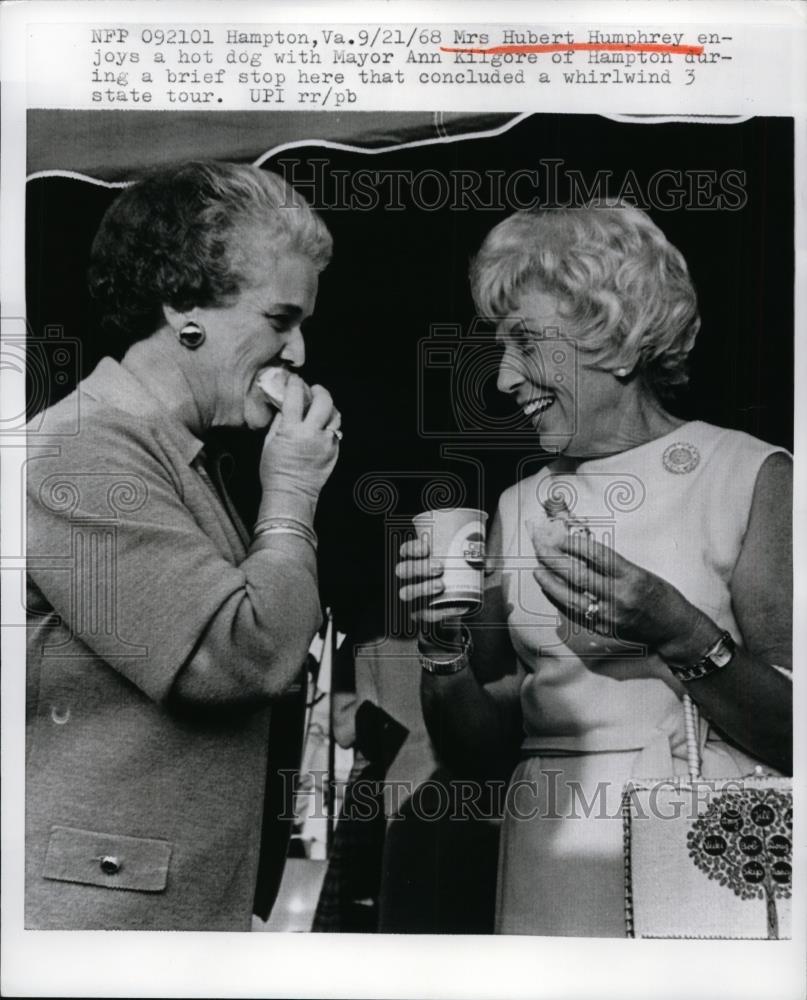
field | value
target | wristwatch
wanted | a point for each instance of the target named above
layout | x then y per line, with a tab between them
452	666
715	658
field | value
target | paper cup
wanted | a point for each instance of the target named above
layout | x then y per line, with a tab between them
457	539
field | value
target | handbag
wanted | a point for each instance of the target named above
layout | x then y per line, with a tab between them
708	858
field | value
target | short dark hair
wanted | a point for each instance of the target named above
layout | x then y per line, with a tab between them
168	240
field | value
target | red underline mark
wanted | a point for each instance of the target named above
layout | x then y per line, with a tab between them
500	50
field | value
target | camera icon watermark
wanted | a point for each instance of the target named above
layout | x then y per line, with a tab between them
36	370
464	379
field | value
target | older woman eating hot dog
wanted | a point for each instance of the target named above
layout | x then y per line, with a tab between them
161	630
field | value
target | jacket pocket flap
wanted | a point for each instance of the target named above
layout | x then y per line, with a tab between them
107	859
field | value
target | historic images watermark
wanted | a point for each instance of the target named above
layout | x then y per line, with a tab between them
550	184
550	797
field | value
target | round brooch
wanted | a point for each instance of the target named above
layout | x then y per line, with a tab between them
681	457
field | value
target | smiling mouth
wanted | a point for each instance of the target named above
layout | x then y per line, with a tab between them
538	405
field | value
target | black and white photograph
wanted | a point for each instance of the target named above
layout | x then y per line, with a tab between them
588	348
408	538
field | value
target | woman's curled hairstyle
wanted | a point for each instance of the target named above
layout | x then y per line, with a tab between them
172	238
624	288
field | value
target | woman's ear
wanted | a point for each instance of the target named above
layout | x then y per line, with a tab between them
176	320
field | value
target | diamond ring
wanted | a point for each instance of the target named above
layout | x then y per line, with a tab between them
592	609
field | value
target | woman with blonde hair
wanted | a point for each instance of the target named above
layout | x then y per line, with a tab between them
649	557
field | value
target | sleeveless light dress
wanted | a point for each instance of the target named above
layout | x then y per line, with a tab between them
596	711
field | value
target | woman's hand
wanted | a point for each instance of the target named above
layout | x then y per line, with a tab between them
594	586
300	452
422	578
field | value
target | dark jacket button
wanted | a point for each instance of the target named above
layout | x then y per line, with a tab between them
110	865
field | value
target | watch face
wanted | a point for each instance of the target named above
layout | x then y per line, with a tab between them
724	652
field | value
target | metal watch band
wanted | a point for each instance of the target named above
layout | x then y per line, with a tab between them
452	666
715	658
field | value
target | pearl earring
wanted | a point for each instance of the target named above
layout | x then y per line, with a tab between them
192	335
621	372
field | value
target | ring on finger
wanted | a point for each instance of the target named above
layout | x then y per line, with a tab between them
593	608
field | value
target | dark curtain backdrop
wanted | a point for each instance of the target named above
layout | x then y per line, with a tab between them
396	273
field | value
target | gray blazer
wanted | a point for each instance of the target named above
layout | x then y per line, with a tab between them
135	817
